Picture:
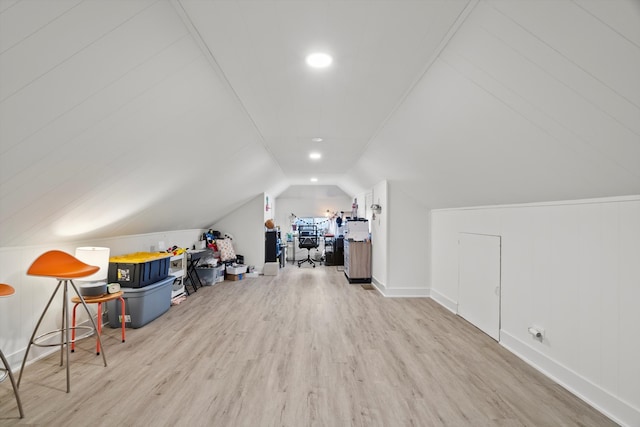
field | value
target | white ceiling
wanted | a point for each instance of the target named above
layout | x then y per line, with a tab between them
380	49
148	115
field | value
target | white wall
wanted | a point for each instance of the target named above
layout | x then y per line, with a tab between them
380	236
312	206
268	207
571	268
536	91
408	248
400	262
19	313
246	225
114	122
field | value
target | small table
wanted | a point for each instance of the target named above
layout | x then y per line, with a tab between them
97	300
194	259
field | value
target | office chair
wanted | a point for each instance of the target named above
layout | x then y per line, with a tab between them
308	239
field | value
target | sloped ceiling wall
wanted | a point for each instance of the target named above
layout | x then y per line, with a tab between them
114	123
529	101
379	49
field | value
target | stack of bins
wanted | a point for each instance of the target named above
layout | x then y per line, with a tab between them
211	275
144	279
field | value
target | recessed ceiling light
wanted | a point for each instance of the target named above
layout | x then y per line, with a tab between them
315	155
319	60
317	139
314	180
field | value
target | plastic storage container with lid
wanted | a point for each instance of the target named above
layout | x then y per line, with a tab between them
142	305
139	269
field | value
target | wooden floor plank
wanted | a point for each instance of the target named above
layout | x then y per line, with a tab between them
303	348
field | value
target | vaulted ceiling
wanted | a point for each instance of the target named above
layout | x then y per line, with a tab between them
148	115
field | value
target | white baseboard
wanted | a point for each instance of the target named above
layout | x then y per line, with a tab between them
618	410
611	406
399	292
444	301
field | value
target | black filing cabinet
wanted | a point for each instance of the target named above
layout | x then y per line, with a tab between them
272	246
334	251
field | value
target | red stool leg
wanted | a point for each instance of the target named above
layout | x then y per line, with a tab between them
99	328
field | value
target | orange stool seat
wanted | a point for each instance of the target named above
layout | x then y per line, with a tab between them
96	300
63	267
60	265
7	291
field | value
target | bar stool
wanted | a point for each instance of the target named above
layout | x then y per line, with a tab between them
63	267
7	291
99	300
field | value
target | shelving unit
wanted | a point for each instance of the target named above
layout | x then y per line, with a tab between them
357	261
334	250
274	249
271	246
178	269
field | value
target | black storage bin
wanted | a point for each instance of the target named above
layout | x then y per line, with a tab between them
136	273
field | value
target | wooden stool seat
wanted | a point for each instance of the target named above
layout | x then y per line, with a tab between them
96	300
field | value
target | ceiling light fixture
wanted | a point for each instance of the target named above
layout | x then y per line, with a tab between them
317	139
319	60
315	155
314	180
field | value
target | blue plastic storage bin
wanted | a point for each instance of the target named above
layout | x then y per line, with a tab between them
142	305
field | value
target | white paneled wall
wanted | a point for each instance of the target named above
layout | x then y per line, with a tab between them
380	236
572	268
114	122
408	244
246	225
19	313
542	92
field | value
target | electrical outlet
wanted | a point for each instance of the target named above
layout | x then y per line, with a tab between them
537	332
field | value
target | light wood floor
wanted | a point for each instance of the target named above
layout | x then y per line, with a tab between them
303	348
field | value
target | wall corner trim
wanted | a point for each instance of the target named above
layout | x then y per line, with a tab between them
399	292
444	301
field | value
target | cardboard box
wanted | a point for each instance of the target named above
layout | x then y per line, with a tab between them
234	277
236	269
271	268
